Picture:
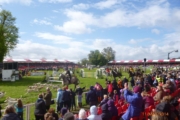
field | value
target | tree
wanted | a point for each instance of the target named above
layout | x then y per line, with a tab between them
96	58
84	61
108	53
8	33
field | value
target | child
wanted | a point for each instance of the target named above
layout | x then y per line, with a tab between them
110	89
19	109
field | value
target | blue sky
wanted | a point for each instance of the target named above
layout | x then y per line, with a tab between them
69	29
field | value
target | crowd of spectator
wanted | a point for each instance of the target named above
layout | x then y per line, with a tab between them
153	96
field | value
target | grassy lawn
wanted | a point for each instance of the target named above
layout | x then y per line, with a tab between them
18	88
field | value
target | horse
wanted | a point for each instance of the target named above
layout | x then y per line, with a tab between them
116	74
74	80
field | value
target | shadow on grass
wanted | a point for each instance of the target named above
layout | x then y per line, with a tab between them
25	81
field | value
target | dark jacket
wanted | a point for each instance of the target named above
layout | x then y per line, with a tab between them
55	116
149	80
72	96
91	96
40	107
106	115
114	85
66	96
112	109
79	91
10	116
47	98
103	102
125	80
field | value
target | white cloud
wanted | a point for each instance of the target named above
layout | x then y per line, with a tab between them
55	38
55	1
101	43
75	27
107	3
132	41
87	18
41	22
77	50
156	31
25	2
151	15
81	6
31	50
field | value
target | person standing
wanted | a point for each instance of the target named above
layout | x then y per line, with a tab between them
59	99
91	97
47	98
40	108
66	98
135	101
69	74
72	96
19	109
79	92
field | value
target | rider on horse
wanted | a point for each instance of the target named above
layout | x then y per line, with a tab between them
68	74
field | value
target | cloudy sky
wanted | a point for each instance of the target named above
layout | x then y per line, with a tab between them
70	29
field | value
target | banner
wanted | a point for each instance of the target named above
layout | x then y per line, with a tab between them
37	73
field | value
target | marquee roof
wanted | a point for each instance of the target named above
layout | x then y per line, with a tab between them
147	61
36	60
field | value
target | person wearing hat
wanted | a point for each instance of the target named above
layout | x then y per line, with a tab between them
135	101
63	112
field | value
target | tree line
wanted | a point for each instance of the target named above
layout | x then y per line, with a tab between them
98	58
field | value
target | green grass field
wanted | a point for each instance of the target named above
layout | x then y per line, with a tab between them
18	88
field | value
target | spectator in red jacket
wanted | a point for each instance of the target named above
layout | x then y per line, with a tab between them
110	88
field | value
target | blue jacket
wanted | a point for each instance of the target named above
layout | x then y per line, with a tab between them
135	101
60	96
18	110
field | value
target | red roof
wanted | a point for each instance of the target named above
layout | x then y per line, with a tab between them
66	61
122	61
149	61
172	60
131	61
160	60
9	60
28	60
140	61
43	60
